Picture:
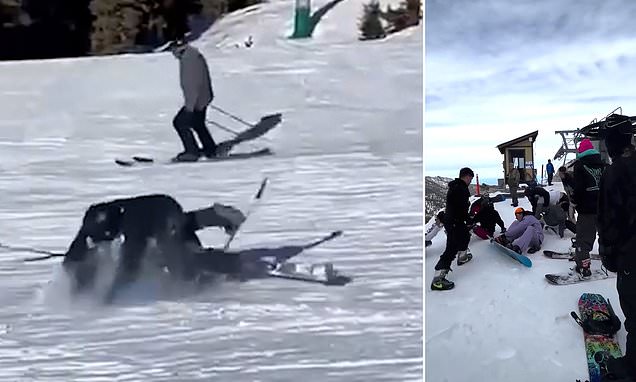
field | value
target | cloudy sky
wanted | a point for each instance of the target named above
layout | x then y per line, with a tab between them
498	69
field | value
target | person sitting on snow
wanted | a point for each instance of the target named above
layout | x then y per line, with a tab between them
488	218
434	228
525	233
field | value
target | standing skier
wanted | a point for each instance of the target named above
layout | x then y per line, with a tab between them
525	233
513	183
617	241
587	176
549	168
457	233
197	94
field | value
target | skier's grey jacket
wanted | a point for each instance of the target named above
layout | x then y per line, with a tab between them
195	79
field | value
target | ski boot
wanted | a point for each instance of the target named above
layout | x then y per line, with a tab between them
463	257
440	282
186	156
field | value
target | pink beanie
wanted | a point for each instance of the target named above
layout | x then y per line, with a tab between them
585	145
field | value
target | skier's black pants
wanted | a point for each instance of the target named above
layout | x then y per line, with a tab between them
457	238
626	286
550	175
184	122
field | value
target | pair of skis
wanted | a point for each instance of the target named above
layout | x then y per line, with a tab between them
254	131
323	273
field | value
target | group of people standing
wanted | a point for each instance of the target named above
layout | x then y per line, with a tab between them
604	199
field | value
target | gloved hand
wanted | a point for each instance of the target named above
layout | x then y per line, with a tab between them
608	257
503	230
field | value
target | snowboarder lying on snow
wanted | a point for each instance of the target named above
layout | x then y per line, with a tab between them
488	218
525	233
434	228
153	227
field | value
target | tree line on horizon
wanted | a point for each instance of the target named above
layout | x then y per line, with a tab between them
36	29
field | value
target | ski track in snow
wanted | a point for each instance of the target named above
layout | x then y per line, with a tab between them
348	156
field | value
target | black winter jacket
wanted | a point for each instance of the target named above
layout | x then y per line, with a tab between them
457	203
587	176
617	215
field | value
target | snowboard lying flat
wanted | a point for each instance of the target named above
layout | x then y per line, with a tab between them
567	255
596	345
573	277
520	258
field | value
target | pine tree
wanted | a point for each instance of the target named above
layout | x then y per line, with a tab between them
371	25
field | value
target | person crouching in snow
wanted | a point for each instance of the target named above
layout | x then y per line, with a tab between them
433	229
488	218
524	234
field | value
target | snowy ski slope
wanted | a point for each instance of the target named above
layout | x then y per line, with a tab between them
348	156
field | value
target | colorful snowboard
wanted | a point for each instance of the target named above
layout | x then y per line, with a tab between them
597	346
520	258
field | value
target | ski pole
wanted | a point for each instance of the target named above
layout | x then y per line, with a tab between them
48	254
223	127
255	199
231	116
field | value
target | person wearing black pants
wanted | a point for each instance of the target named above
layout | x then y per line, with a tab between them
617	241
457	232
196	85
154	227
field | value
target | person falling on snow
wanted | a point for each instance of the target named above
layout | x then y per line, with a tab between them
539	198
457	233
197	94
154	227
524	234
434	228
617	238
587	176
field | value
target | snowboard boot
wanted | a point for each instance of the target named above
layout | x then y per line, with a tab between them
428	242
463	257
533	249
502	239
583	263
515	248
440	282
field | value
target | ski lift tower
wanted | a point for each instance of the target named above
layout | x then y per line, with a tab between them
595	132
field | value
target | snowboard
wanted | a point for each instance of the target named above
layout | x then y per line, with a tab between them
573	277
567	255
525	260
596	314
257	130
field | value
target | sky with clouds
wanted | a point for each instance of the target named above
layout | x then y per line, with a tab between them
499	69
